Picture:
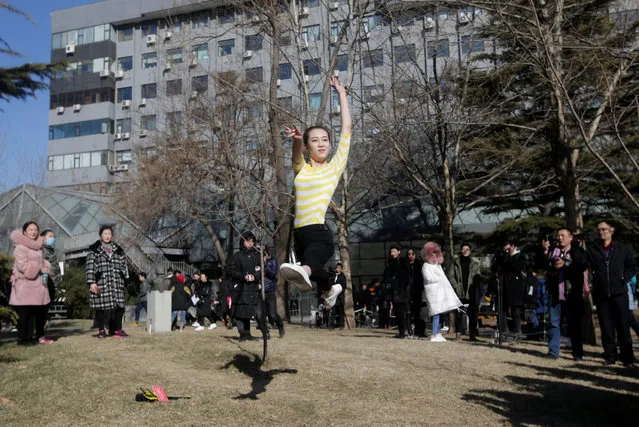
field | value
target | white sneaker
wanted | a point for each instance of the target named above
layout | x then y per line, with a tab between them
199	328
213	326
195	324
444	329
331	297
297	275
437	338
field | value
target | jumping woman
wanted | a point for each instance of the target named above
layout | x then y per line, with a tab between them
315	183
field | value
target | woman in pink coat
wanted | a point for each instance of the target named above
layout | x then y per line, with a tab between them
29	293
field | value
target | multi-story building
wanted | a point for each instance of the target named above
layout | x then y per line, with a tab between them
134	64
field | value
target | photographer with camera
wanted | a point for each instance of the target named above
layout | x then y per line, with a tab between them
565	264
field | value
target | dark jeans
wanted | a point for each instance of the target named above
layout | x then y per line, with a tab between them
613	316
27	315
314	247
271	310
401	314
337	317
515	311
472	318
138	310
418	318
573	311
111	318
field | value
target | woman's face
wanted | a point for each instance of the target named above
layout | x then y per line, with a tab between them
32	232
106	236
319	145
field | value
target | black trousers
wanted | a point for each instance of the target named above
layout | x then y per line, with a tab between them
613	317
27	316
515	311
244	324
337	317
111	318
418	319
314	247
271	310
472	312
401	314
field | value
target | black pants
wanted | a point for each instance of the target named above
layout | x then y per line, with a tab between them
417	318
27	316
111	318
271	310
401	314
337	317
613	316
314	247
472	317
244	324
515	311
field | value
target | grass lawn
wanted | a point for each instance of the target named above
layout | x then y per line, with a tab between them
312	377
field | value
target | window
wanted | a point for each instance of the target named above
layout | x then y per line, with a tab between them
374	58
174	56
255	75
200	19
406	20
472	43
311	33
123	126
286	72
201	52
70	130
371	22
82	97
176	23
308	3
404	53
315	101
255	110
405	89
253	42
125	64
225	15
200	84
149	60
373	93
125	33
286	103
173	87
342	63
225	47
150	91
149	28
76	160
312	66
148	122
173	119
286	38
125	93
123	157
439	51
336	28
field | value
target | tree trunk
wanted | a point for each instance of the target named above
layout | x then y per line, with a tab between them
345	257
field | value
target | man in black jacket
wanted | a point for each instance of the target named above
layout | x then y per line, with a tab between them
510	267
566	264
337	312
245	272
613	265
396	274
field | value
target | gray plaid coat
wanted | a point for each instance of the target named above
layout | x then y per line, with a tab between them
109	273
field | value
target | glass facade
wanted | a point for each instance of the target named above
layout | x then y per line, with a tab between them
71	130
82	36
77	160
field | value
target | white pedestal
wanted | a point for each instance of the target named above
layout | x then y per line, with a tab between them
159	315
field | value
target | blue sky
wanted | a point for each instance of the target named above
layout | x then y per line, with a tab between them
24	124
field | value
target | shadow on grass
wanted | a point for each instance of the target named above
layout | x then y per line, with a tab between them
551	401
251	366
6	358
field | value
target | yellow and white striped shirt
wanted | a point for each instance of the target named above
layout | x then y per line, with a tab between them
314	186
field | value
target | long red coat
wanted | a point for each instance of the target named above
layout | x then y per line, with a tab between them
28	267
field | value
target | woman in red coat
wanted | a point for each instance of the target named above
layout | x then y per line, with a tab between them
29	294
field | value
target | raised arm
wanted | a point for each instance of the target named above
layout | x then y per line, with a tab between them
345	112
297	157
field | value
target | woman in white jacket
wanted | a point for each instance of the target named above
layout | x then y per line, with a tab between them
440	296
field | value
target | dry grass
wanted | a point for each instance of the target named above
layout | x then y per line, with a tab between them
312	377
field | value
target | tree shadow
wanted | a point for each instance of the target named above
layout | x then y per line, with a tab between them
251	366
7	358
551	401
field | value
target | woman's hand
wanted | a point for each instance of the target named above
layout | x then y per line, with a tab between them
94	289
293	133
337	85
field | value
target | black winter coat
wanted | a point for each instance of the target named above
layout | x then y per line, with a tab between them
513	274
416	279
612	270
204	291
396	274
181	297
245	294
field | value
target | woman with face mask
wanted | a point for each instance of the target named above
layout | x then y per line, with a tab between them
29	294
106	273
48	240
